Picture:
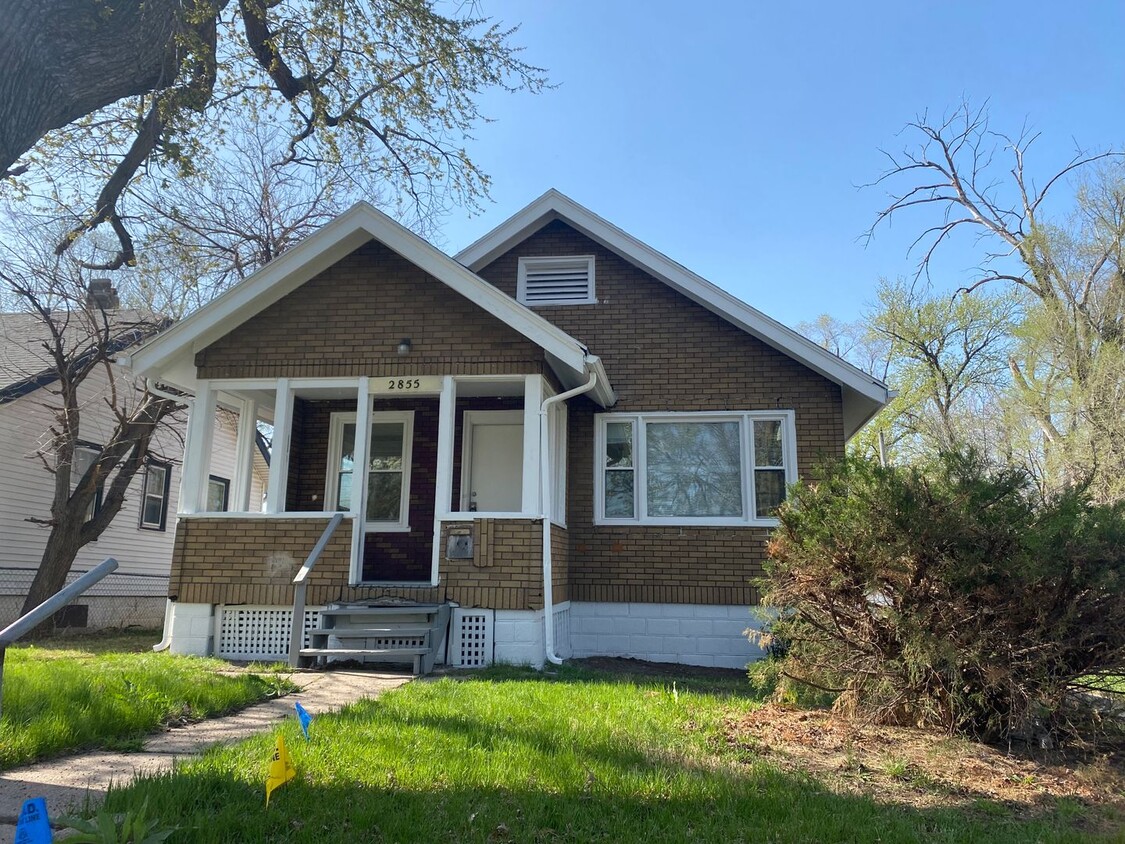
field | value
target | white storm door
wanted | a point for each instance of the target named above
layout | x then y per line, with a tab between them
493	455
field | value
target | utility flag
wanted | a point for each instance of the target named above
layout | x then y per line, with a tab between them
304	718
32	826
281	769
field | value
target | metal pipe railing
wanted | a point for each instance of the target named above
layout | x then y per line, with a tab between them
45	610
300	589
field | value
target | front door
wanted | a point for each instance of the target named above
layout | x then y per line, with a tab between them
493	455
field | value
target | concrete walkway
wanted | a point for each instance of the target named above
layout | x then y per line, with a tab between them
70	781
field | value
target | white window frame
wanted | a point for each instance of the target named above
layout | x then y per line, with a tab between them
335	447
521	279
640	465
162	494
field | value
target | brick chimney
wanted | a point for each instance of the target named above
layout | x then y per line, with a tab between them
101	295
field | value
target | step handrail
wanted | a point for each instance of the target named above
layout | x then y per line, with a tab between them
32	619
300	588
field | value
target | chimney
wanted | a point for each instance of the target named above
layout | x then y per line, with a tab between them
101	295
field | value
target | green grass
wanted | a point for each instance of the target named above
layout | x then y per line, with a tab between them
68	694
514	756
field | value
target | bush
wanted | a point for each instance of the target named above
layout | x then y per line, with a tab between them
947	595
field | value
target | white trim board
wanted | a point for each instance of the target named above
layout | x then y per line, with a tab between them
159	357
863	394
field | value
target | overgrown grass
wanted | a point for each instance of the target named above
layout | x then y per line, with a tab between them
67	694
514	756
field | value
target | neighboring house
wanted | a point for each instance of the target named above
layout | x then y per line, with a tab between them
572	440
141	536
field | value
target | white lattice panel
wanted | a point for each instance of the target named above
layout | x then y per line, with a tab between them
471	637
247	633
562	632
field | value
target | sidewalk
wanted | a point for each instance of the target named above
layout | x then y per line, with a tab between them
69	781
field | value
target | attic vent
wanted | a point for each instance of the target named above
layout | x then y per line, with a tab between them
556	281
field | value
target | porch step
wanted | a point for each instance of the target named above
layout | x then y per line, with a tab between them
372	632
354	631
377	654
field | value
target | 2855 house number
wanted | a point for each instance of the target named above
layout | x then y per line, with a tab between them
401	384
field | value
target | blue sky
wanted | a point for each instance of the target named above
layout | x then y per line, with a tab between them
732	136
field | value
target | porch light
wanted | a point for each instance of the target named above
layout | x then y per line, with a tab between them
404	346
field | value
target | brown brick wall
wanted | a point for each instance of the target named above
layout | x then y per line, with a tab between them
253	561
349	319
560	564
663	352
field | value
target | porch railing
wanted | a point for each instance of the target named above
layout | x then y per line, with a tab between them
300	589
41	613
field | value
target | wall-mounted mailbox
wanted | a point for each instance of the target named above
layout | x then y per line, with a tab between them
459	546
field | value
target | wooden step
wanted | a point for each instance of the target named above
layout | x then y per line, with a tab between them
363	610
379	654
372	632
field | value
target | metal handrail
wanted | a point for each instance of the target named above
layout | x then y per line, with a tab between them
300	588
41	613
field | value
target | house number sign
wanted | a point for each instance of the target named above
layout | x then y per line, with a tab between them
396	385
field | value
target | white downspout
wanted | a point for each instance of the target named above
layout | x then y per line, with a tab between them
166	640
545	500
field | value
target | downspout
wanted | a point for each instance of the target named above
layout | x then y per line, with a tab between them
545	499
166	641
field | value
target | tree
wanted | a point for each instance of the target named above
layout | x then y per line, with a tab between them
1068	371
76	332
106	98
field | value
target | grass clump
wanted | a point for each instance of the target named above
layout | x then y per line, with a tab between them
72	694
513	756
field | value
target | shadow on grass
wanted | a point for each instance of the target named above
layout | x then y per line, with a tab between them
216	806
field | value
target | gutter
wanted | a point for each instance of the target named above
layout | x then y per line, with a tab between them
545	499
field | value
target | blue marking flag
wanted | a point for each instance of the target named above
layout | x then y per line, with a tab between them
32	826
304	718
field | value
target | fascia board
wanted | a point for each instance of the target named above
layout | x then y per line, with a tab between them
320	250
554	205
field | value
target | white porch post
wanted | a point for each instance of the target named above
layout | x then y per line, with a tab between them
532	404
447	424
279	449
244	455
359	476
197	450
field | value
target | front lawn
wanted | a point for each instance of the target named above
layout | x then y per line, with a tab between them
513	756
110	691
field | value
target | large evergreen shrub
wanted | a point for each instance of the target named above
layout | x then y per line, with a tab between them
947	595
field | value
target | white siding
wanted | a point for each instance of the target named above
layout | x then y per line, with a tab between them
26	486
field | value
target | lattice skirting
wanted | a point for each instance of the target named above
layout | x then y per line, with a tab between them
471	638
250	633
562	632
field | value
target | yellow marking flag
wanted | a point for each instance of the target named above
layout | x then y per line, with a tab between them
281	769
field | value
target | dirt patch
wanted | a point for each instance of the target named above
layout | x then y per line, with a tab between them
639	667
918	767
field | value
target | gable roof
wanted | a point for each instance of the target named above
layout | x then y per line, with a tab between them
863	394
26	365
166	353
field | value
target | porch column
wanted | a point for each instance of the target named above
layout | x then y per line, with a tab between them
443	476
244	455
532	404
359	476
279	450
197	450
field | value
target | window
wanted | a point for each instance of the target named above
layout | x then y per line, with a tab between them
693	468
218	494
154	495
556	281
85	456
388	468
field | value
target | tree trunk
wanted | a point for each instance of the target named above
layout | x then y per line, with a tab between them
58	556
63	59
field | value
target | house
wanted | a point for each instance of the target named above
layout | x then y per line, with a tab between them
141	535
573	445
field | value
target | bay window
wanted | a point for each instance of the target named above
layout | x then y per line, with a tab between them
693	468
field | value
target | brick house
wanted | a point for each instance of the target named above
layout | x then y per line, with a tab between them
574	447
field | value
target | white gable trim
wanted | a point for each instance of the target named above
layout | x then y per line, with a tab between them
867	392
325	247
